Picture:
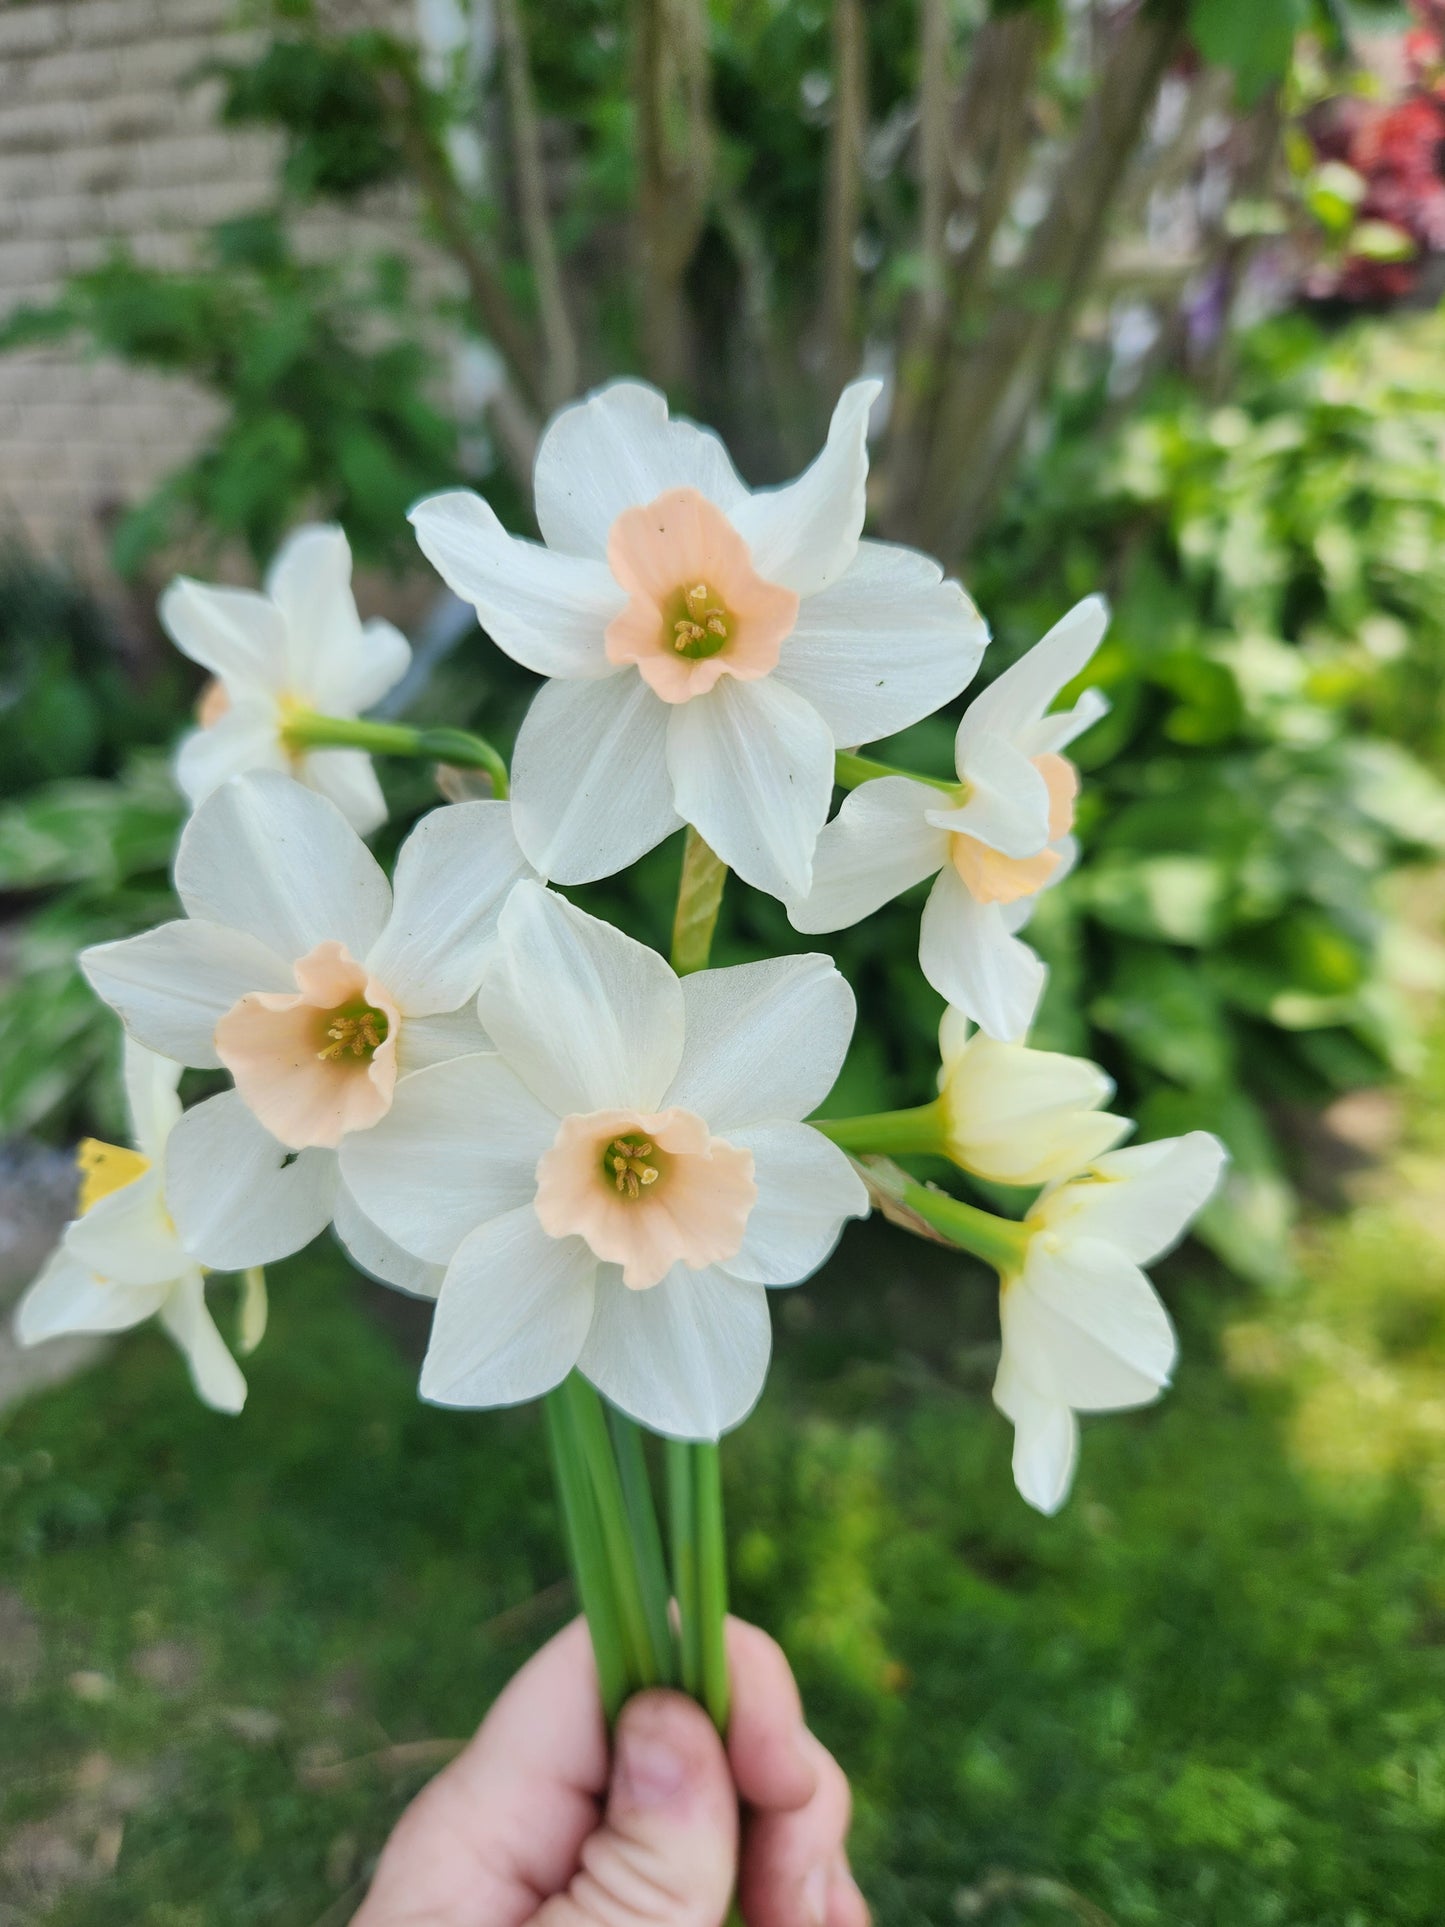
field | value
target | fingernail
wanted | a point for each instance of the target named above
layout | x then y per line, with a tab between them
647	1772
815	1896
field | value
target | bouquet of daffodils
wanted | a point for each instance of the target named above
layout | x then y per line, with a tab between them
597	1160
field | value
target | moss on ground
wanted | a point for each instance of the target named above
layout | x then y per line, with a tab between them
1212	1692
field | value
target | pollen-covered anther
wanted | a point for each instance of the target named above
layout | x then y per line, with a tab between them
630	1171
361	1035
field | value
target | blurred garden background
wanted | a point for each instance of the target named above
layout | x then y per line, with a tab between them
1154	288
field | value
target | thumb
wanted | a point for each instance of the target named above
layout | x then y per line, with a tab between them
666	1852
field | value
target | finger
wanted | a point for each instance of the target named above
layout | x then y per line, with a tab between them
769	1747
846	1905
790	1860
667	1847
503	1825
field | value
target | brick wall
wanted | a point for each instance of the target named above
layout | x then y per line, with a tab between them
102	140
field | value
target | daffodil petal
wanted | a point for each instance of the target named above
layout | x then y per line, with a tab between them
452	874
247	737
1007	806
459	1146
1055	732
380	1257
151	1083
588	1018
880	844
1046	1441
128	1236
268	857
514	1309
687	1358
1087	1326
172	985
763	1041
807	1191
614	451
216	1376
237	1196
68	1296
236	634
590	786
752	769
549	611
1141	1199
968	954
438	1038
885	645
347	778
1017	700
805	535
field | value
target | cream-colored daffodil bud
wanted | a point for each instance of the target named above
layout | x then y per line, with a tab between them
1021	1116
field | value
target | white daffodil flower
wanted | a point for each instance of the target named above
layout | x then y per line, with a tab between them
616	1187
997	841
300	646
708	647
297	970
1021	1116
1083	1330
121	1261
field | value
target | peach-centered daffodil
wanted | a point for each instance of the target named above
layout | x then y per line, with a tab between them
995	839
1083	1329
301	971
121	1260
708	647
299	647
615	1186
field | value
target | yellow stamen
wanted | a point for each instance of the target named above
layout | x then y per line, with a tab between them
630	1171
686	632
361	1035
105	1168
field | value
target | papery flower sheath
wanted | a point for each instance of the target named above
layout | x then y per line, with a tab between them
121	1259
298	970
994	844
1017	1115
615	1187
1083	1329
708	647
300	646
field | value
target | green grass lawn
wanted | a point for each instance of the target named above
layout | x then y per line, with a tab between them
1211	1692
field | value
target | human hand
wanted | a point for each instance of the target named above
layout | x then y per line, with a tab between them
539	1824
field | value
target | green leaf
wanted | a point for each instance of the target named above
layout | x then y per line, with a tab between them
1173	899
1254	38
1167	1013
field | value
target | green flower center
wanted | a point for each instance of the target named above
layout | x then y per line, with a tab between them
629	1164
698	625
358	1030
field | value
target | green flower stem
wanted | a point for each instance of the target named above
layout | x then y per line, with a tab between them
305	729
850	770
649	1660
587	1554
699	898
686	1584
646	1537
922	1132
712	1562
695	1509
1000	1242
